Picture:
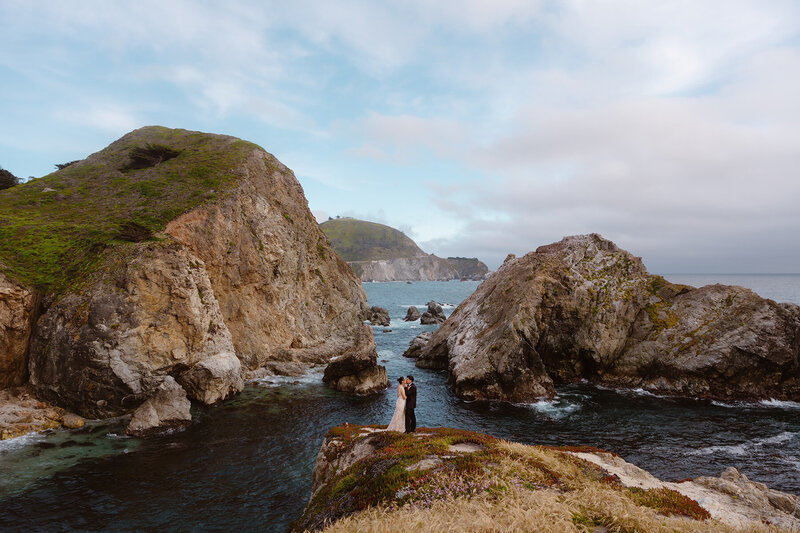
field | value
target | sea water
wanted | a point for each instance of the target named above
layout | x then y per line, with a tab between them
246	464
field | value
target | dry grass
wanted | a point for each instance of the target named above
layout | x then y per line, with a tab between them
524	510
541	489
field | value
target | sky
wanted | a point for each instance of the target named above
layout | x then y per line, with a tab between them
478	128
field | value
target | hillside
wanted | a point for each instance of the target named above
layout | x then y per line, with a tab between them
171	264
359	240
380	253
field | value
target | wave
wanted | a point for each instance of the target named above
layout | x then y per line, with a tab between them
311	376
745	447
553	409
780	404
21	441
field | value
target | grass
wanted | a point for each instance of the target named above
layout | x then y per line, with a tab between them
359	240
55	229
503	486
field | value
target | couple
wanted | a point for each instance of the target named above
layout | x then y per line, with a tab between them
404	419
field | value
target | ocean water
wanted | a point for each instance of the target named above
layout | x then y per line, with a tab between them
246	464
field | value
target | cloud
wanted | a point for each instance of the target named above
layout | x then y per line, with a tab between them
109	118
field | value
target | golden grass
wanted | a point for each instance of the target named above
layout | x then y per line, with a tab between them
581	500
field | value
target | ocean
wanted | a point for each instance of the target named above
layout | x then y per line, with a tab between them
246	464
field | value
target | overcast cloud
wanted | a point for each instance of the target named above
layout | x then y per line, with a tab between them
481	128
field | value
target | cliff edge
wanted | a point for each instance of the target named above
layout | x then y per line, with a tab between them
442	479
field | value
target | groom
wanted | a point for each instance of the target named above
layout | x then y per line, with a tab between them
411	404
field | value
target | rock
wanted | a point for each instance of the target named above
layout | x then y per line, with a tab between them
72	421
434	314
412	314
584	309
378	316
167	408
214	379
357	370
469	268
417	344
18	312
239	279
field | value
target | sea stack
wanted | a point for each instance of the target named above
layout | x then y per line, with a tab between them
582	308
180	255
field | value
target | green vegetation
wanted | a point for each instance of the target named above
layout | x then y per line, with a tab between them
359	240
55	229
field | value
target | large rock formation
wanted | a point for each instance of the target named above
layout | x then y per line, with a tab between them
381	253
367	479
194	257
584	309
18	312
434	314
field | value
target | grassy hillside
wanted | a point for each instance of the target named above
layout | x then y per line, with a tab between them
359	240
54	228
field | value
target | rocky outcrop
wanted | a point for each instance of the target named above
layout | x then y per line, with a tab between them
469	268
434	314
584	309
417	344
412	314
356	371
166	409
18	312
421	268
378	316
442	479
236	281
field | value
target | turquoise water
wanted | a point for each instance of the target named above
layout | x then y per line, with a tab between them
246	465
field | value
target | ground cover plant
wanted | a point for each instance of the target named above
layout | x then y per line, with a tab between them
56	228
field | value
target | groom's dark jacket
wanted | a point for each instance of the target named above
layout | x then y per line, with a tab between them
411	397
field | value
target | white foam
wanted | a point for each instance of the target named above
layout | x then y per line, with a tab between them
780	404
21	441
743	448
312	375
554	409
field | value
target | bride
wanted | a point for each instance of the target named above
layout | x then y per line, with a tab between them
398	422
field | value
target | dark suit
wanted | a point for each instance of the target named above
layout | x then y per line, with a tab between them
411	404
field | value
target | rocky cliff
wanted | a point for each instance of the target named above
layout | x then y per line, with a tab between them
367	479
584	309
171	254
381	253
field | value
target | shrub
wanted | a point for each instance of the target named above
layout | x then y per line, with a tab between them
7	179
149	155
61	166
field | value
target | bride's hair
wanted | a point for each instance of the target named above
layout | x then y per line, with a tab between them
399	380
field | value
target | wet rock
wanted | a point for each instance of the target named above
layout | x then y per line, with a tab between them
356	371
412	314
378	316
417	344
73	421
168	408
434	314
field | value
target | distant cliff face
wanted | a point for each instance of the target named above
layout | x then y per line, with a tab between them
206	266
582	308
381	253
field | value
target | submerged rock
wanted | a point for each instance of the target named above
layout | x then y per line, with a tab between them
412	314
582	308
167	408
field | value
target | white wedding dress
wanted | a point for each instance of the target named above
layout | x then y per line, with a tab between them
398	422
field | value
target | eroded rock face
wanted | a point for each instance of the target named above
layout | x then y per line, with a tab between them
153	314
356	370
18	310
167	408
582	308
416	346
425	267
434	314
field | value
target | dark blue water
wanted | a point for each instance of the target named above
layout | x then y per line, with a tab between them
245	465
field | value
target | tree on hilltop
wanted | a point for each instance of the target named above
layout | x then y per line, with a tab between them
7	179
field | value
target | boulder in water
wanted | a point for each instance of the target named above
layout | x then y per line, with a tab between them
417	344
412	314
378	316
434	314
168	408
